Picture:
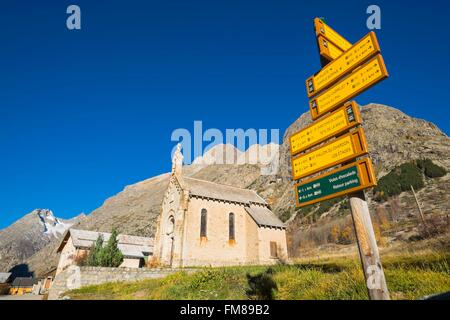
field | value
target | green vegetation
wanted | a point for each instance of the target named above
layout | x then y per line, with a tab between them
398	180
403	177
105	256
430	169
408	277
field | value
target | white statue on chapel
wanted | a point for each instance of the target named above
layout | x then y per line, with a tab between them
177	161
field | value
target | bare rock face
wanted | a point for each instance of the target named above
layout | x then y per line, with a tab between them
393	137
30	234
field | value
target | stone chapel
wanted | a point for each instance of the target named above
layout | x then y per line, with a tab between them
209	224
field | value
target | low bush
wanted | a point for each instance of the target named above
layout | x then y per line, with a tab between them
430	169
398	180
403	177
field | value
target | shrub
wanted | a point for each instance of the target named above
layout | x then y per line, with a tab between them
398	180
382	218
347	235
333	237
410	175
340	232
430	169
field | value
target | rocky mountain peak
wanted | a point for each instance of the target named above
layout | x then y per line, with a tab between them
30	234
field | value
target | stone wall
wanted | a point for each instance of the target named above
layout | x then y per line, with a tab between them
75	277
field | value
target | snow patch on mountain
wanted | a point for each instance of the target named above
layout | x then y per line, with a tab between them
53	226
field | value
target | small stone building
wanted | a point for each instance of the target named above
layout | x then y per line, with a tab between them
209	224
22	285
76	244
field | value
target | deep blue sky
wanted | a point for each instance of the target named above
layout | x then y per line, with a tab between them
84	113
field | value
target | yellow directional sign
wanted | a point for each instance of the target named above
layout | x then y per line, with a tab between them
342	149
327	49
359	53
336	123
326	31
353	177
346	89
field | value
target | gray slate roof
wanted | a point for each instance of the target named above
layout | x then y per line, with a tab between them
4	276
264	217
24	282
130	246
213	190
255	205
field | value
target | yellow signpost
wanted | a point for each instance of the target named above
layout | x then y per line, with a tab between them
347	71
342	149
321	28
332	125
359	53
327	49
339	182
349	87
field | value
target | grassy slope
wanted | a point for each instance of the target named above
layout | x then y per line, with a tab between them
408	277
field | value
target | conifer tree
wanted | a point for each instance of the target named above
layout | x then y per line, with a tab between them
110	255
95	252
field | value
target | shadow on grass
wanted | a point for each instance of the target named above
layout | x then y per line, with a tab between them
261	286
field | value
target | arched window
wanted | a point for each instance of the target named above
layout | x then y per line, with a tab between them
231	227
203	221
170	224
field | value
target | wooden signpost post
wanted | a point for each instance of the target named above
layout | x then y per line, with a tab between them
335	141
